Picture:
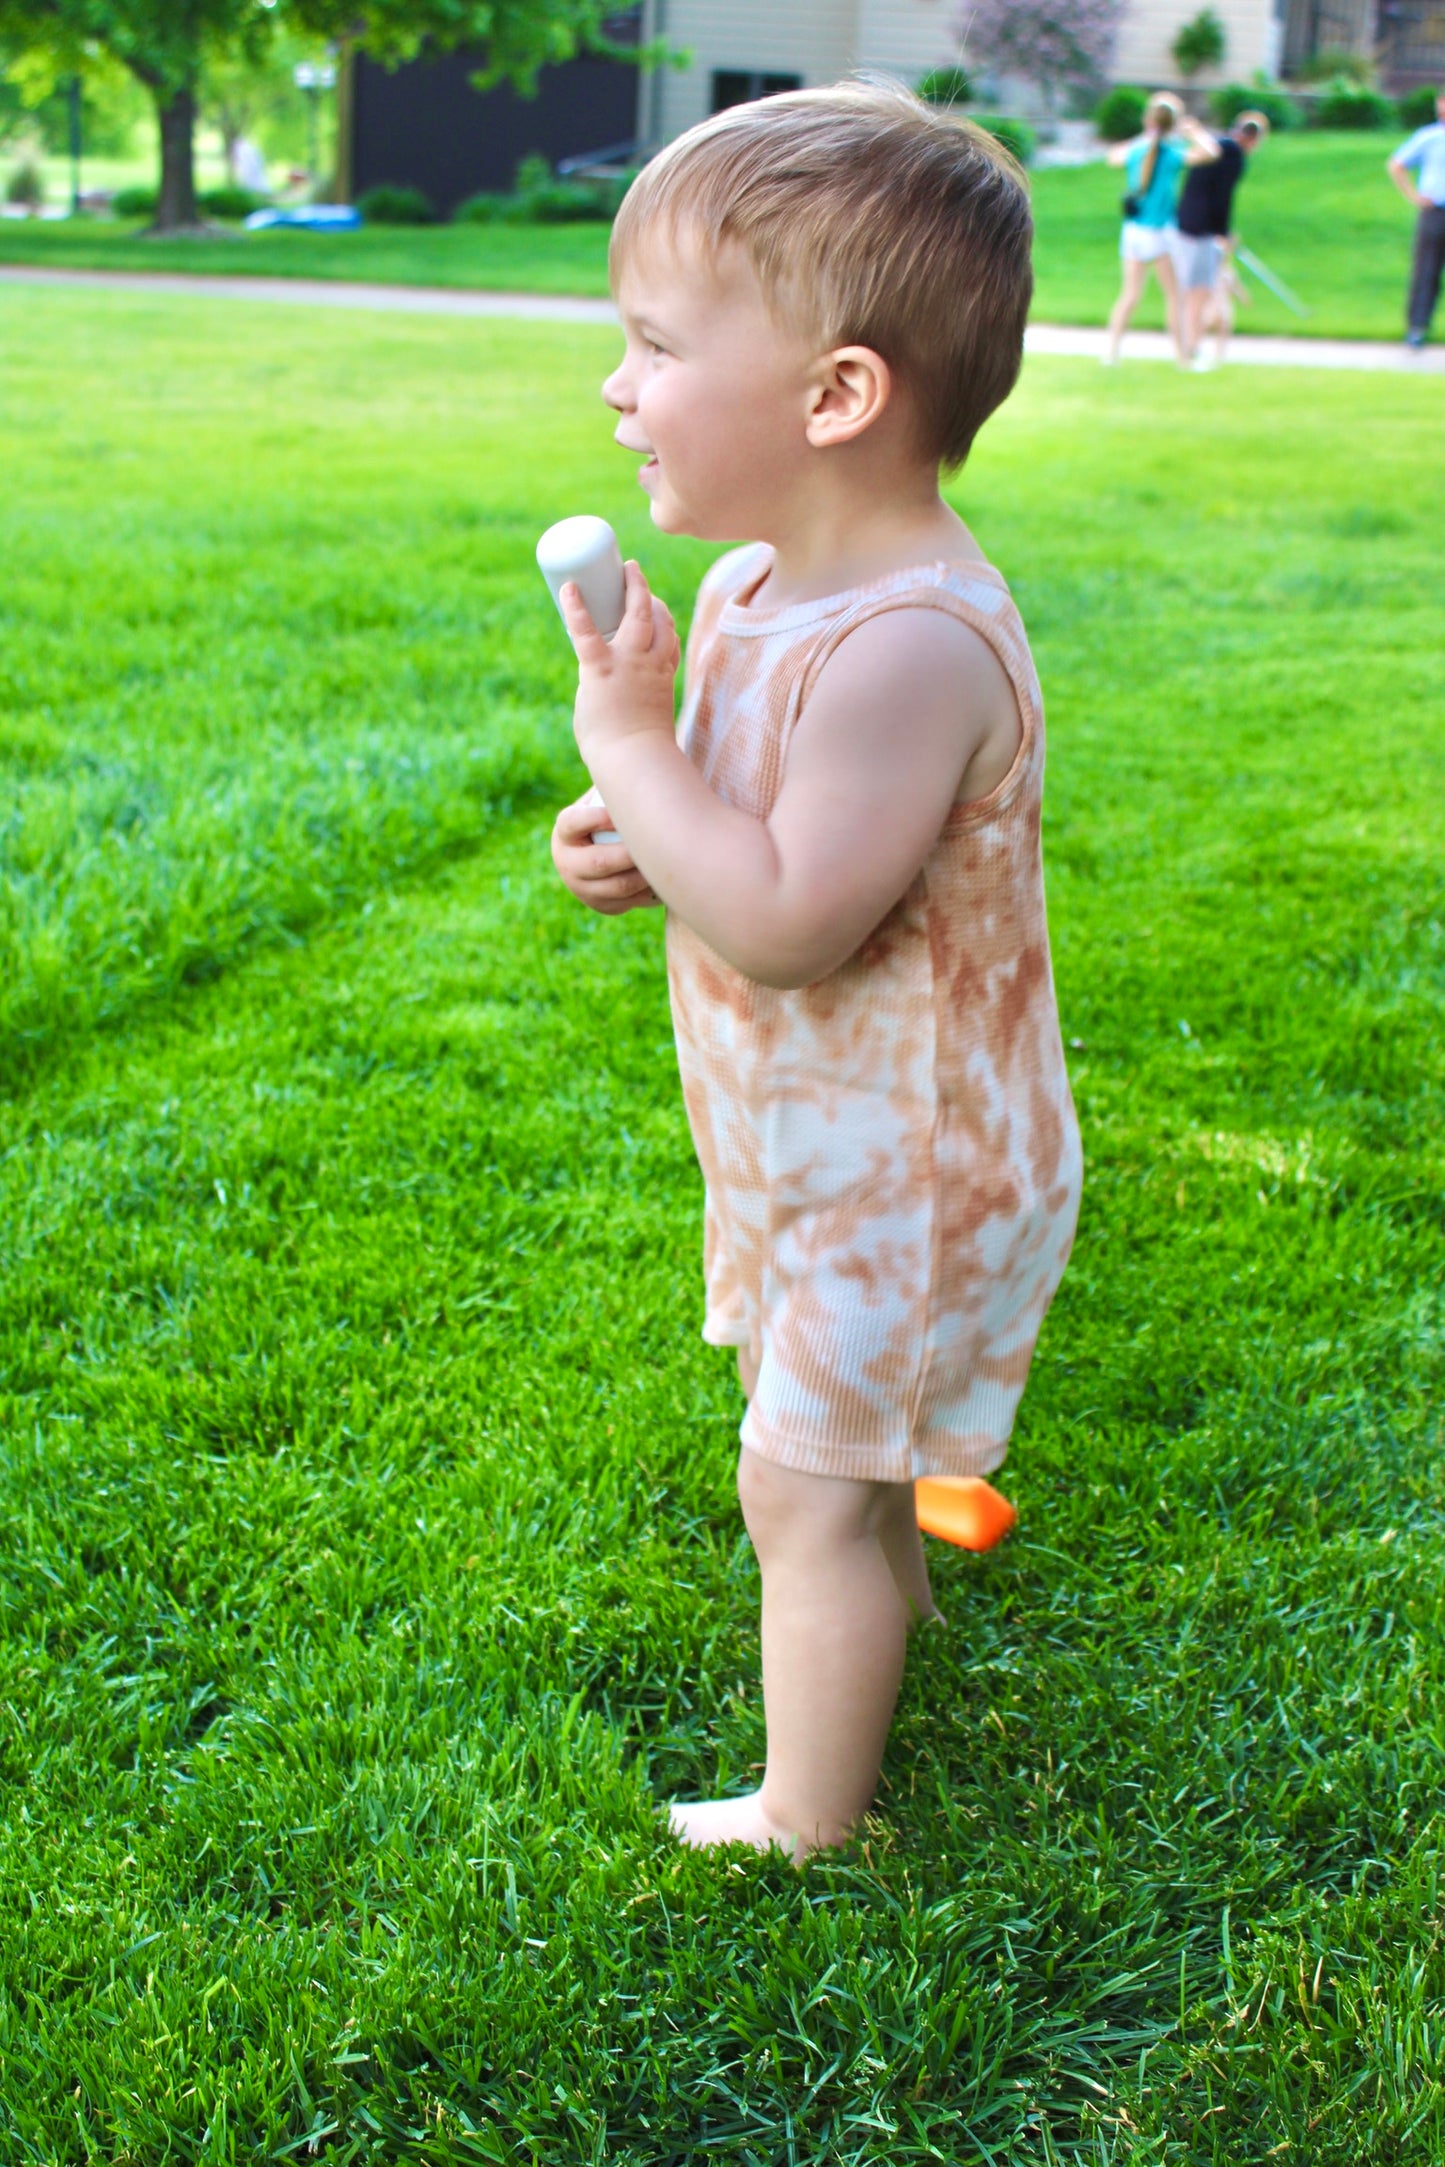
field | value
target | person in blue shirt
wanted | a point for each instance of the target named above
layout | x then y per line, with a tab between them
1418	171
1153	164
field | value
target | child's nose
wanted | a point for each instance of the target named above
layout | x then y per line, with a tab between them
615	391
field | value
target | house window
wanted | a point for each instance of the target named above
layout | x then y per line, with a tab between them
735	86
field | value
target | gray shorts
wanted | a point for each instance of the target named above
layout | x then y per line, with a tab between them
1198	259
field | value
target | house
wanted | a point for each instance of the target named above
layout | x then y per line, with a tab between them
426	124
747	48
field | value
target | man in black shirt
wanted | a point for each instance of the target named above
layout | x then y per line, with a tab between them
1206	273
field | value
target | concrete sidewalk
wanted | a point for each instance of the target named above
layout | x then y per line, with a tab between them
1078	340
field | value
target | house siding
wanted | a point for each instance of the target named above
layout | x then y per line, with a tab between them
810	38
1252	30
821	40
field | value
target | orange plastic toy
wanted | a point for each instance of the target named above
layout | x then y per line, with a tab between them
962	1509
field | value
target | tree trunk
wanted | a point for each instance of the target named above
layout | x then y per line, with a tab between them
345	119
176	211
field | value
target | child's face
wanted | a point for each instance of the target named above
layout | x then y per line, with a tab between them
714	390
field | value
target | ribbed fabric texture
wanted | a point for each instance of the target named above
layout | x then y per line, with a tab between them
890	1155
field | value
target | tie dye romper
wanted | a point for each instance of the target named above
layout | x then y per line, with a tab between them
890	1155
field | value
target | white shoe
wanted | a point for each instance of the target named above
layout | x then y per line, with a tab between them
1201	364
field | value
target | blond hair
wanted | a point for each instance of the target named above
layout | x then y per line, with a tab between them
870	219
1163	110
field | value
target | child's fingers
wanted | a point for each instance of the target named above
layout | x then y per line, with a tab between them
664	631
621	892
576	822
586	639
636	628
606	860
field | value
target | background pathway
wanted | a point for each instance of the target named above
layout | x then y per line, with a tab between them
1080	340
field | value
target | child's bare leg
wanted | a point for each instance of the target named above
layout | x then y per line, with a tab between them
1173	316
1223	319
834	1631
1124	307
902	1545
897	1531
1196	301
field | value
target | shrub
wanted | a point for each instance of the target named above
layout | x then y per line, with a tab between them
390	204
1334	63
540	198
229	201
561	201
1119	114
1417	107
26	184
946	86
1200	43
483	210
137	202
1231	99
1342	104
1015	137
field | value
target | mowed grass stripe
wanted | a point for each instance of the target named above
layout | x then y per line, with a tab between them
370	1560
1316	206
262	643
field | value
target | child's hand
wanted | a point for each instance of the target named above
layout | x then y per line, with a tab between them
601	875
625	684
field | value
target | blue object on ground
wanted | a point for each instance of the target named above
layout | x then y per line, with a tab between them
315	217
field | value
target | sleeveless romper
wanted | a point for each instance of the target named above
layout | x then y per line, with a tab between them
890	1155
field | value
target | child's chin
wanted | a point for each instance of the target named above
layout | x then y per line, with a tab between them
671	519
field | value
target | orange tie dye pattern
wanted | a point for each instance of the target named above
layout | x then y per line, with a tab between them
891	1158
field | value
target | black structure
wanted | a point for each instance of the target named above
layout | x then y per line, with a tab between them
424	126
736	86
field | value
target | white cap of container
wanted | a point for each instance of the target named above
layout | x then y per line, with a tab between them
585	549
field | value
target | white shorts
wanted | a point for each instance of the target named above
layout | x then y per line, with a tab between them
1143	244
1198	259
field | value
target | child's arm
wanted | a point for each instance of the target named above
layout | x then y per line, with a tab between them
912	708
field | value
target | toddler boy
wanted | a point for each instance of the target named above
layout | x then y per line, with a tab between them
823	296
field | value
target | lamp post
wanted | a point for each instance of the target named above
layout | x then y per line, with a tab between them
72	99
312	77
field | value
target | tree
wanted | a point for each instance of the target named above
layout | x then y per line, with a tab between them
34	96
167	44
1200	44
1062	45
241	97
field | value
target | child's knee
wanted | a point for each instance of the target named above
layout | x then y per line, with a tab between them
783	1506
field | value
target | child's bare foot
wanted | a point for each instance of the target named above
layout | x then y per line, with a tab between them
703	1822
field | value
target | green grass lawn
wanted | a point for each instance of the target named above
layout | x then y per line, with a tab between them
369	1565
1317	208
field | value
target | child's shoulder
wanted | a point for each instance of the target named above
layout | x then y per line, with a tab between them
722	582
726	578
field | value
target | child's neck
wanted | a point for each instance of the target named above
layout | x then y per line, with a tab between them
846	539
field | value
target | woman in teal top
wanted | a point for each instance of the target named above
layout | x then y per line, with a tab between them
1153	164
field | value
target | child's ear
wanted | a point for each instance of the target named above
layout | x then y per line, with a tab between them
852	387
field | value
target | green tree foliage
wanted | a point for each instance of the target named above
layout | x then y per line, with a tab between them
34	103
167	45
